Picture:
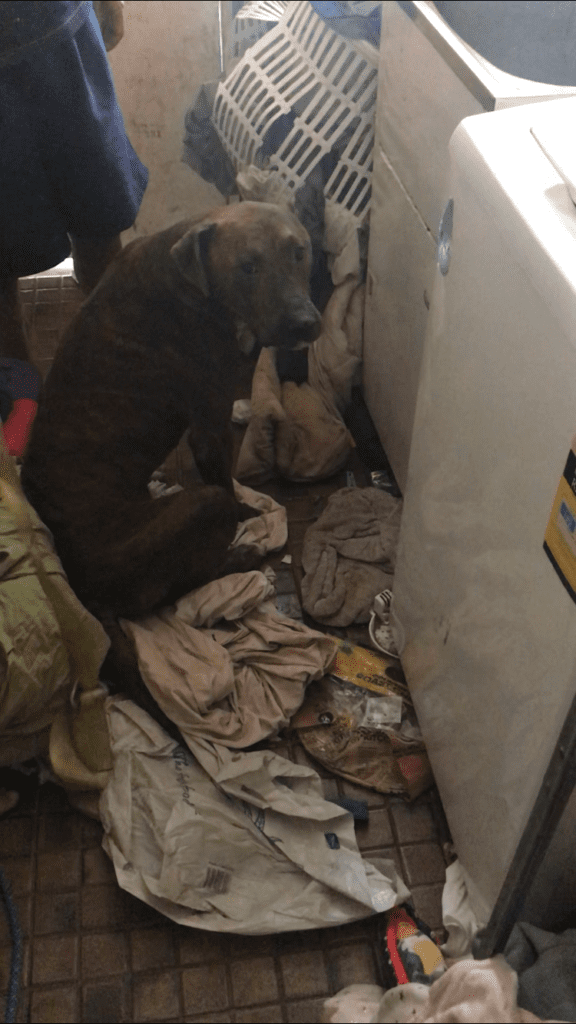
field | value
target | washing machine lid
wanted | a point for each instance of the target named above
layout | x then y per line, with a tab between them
521	165
559	145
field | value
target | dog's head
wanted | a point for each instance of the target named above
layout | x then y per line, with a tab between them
255	259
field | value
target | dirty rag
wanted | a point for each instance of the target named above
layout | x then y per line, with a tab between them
297	429
481	991
268	531
225	667
357	1004
458	917
349	555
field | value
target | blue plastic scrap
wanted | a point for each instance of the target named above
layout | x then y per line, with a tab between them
354	20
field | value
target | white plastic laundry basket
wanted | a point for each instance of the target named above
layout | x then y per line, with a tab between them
263	10
251	23
326	83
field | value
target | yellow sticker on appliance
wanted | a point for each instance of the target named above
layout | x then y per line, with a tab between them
560	542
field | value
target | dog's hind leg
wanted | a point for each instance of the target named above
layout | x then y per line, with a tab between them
168	547
121	671
155	551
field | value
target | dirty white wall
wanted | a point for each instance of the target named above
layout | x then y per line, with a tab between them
168	50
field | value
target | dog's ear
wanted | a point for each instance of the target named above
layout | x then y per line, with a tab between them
190	255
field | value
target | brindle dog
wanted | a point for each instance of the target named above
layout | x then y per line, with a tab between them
150	354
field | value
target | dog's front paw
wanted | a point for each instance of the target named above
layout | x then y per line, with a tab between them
247	512
242	558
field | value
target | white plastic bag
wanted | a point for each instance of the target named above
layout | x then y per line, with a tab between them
259	852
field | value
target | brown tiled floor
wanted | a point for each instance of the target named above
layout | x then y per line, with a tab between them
95	954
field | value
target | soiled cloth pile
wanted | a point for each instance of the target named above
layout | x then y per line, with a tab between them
217	837
225	666
214	837
484	992
349	555
297	429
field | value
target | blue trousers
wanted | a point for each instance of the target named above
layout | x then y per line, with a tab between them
66	164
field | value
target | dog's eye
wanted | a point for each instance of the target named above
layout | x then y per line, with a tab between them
299	254
249	269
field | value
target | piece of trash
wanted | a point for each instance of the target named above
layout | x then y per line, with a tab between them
351	480
342	724
410	955
383	711
380	625
158	489
289	605
287	560
242	411
458	916
384	482
380	479
357	808
248	854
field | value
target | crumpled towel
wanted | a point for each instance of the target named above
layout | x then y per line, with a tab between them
225	666
349	555
483	992
297	429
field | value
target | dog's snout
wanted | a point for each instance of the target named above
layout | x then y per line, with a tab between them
304	321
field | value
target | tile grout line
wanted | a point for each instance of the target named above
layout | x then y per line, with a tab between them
228	973
79	961
280	984
33	894
177	966
130	963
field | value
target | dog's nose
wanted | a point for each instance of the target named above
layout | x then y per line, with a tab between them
305	321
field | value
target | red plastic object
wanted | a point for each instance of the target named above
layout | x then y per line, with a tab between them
18	425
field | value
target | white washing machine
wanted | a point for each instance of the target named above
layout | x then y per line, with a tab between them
429	80
489	625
